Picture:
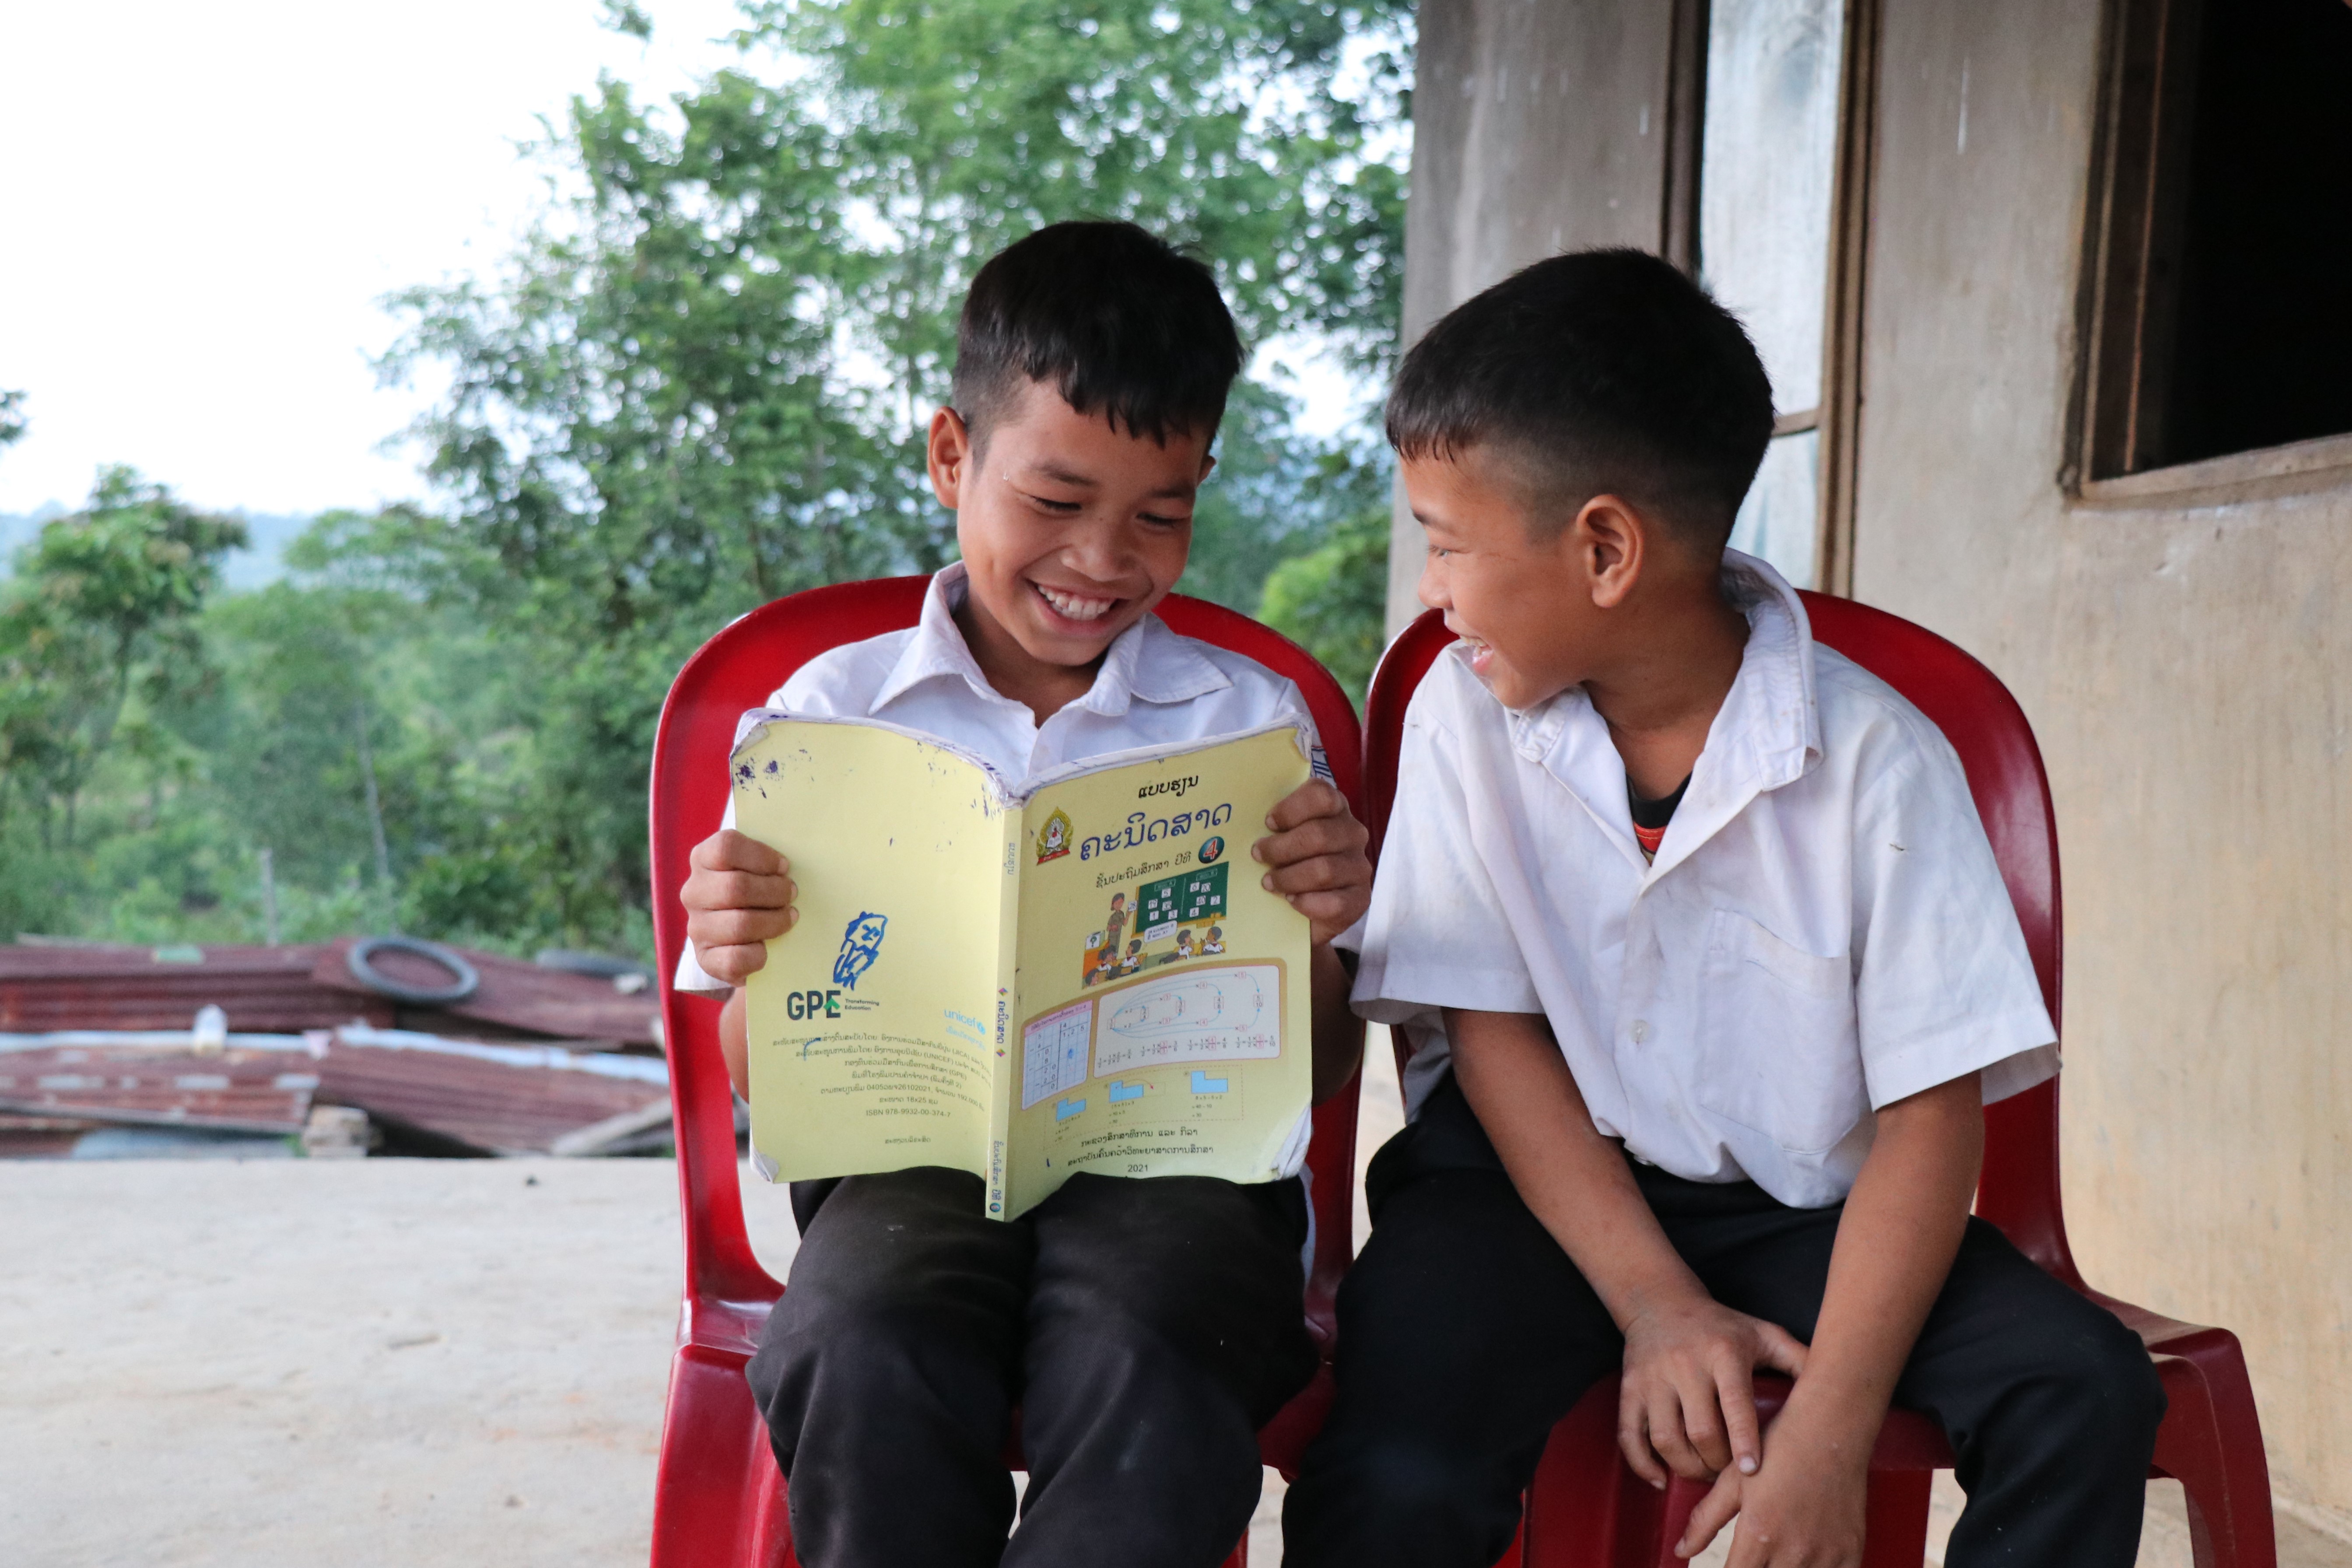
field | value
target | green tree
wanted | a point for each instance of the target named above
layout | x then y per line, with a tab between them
12	417
706	386
1333	601
101	609
703	384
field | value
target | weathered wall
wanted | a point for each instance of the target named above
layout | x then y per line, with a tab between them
1538	129
2189	671
2189	675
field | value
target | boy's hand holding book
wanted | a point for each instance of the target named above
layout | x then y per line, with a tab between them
738	898
1314	857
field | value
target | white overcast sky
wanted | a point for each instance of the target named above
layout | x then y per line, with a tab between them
200	205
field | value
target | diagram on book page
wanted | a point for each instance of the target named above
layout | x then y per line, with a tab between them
1198	1015
1053	1054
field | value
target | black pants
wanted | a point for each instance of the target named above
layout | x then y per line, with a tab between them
1466	1333
1146	1329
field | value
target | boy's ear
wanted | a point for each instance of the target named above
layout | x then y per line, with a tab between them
1611	542
950	457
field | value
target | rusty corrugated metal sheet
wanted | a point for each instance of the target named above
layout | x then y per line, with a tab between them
289	990
240	1088
264	990
498	1099
513	995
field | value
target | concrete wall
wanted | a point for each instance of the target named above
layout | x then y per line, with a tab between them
1538	129
2188	670
2189	674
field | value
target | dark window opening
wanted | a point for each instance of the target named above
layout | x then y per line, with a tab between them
2223	299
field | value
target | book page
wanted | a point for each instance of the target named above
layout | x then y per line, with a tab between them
1161	1008
872	1027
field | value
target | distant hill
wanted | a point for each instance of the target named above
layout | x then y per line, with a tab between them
260	562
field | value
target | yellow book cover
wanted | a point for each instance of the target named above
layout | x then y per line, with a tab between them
1023	982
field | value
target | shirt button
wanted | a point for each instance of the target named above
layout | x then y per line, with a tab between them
1641	1030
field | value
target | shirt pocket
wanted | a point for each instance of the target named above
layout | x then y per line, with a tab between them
1778	1048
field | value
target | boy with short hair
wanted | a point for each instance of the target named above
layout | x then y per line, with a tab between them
1146	1328
1711	971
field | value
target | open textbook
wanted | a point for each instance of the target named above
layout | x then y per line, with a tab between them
1023	982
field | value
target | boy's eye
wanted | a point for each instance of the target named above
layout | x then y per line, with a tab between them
1059	508
1164	520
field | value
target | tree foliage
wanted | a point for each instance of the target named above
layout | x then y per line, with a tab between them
1333	601
706	385
101	607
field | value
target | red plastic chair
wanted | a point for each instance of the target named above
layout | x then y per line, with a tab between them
1585	1509
718	1499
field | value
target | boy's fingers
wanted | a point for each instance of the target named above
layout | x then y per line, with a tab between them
1715	1510
732	928
1314	876
1669	1438
1780	1350
1312	799
1322	836
1342	907
1704	1423
738	891
728	850
1633	1437
734	964
1736	1389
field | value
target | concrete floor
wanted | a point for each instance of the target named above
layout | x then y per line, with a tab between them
215	1364
265	1364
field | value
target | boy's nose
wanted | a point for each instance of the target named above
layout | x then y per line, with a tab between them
1099	552
1431	589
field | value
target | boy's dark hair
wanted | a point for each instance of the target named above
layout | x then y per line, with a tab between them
1600	371
1118	320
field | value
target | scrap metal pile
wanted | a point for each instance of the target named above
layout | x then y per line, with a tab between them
331	1049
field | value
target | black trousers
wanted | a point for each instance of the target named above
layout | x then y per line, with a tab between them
1466	1333
1145	1328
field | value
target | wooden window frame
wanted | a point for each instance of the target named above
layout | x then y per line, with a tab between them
2126	302
1838	416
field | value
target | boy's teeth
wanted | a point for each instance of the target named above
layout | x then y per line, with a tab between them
1076	608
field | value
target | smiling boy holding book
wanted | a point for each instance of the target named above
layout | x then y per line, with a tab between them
1145	1326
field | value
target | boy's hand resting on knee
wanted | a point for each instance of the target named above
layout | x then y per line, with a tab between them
1315	855
1805	1506
1686	1401
739	896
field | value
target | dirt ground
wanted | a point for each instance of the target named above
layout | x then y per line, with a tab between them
276	1365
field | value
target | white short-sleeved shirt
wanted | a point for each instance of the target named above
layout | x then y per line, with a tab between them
1154	688
1824	930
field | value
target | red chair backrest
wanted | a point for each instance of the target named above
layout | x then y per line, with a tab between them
736	670
2019	1190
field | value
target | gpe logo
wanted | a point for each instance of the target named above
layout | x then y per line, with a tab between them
799	1004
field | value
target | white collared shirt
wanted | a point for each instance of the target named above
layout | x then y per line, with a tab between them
1824	930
